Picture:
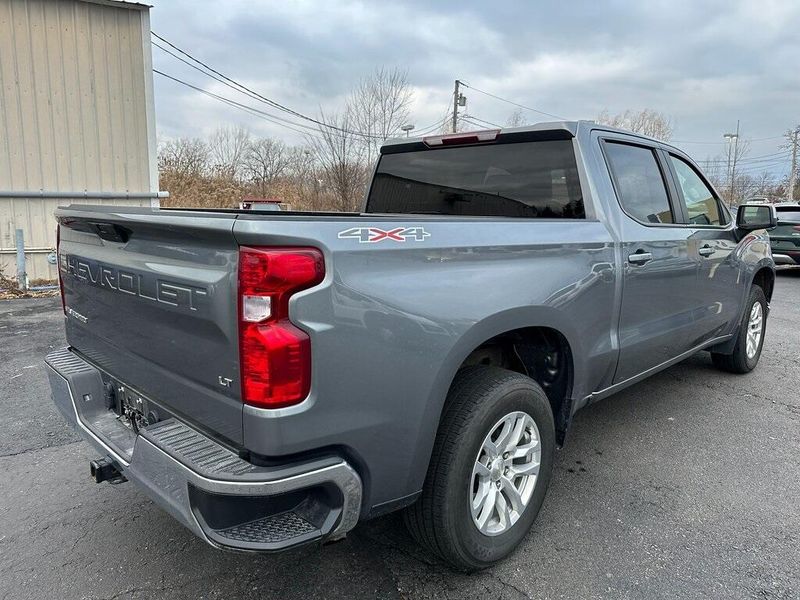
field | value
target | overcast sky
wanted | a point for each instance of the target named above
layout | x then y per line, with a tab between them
704	65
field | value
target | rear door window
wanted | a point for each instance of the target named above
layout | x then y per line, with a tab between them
523	179
702	207
639	183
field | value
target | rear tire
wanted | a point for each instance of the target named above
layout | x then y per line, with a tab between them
485	405
740	361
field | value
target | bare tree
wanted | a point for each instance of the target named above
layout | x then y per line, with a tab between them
330	173
793	145
341	153
265	162
181	164
739	187
647	121
228	149
379	106
714	171
306	177
187	157
745	186
517	119
725	173
780	193
764	184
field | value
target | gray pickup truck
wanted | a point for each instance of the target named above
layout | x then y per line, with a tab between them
271	379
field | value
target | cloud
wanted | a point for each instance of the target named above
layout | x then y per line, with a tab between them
703	64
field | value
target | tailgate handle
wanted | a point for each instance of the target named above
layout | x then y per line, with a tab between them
112	232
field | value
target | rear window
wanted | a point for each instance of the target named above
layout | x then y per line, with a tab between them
788	213
525	179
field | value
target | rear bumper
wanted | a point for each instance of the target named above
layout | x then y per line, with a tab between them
225	500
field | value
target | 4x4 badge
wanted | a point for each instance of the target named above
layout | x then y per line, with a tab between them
368	235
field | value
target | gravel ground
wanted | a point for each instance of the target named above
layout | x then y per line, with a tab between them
685	485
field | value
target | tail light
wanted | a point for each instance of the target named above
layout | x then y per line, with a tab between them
58	269
275	356
796	227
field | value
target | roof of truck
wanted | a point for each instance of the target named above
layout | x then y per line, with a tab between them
567	126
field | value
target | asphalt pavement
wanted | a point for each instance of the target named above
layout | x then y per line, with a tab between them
684	486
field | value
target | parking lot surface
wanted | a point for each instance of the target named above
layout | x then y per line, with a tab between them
686	485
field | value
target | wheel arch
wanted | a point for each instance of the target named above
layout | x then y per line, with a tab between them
764	277
525	322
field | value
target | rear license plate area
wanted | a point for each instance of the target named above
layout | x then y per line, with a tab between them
133	409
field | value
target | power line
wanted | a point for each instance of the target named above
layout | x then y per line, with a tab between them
196	68
261	114
438	123
536	110
429	130
760	168
435	127
749	166
752	159
752	168
249	109
255	96
774	137
260	97
480	121
226	84
242	88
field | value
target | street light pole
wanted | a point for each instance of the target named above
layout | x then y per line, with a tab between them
730	137
735	157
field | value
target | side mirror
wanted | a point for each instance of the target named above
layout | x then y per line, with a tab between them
750	217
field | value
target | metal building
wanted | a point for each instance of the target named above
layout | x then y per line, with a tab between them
77	121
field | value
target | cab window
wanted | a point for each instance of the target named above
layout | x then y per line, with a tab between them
702	207
639	183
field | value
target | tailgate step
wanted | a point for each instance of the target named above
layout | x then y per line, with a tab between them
269	530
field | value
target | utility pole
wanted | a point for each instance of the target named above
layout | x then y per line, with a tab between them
459	99
729	137
735	157
794	138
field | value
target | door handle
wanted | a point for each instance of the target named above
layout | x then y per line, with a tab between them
706	251
639	257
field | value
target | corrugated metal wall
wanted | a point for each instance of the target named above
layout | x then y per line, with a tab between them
76	113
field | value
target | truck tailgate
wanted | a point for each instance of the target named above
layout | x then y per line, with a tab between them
150	298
